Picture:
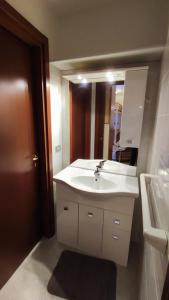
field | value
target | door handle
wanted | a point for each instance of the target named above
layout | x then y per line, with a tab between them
35	157
117	221
115	237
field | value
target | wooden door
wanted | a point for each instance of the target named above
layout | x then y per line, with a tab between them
80	120
111	130
99	119
20	221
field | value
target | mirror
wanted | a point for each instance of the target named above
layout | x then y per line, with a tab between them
106	114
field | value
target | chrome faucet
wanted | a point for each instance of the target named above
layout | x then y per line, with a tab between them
101	164
97	172
98	169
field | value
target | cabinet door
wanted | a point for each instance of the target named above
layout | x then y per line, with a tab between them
116	245
116	220
67	222
133	108
90	229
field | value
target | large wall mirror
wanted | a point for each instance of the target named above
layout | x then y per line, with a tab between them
106	114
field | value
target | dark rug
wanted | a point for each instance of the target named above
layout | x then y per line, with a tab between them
81	277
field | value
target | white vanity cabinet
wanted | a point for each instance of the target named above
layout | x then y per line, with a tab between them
95	226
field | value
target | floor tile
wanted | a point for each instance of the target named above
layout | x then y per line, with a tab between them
30	280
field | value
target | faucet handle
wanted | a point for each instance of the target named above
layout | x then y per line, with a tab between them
104	160
102	163
97	170
98	167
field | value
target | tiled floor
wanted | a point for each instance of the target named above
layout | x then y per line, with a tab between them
30	280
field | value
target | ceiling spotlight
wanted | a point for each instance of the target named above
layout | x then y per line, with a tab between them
84	80
111	79
118	92
79	77
109	74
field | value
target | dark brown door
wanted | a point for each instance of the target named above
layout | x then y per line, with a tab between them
99	119
111	130
20	224
80	120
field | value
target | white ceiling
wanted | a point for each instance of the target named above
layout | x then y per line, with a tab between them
69	7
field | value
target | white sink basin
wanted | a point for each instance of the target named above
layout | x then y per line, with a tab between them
107	184
90	182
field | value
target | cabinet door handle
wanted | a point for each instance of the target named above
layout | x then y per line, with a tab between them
115	237
90	215
66	208
117	221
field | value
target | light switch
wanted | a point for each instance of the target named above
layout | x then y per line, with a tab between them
58	148
129	141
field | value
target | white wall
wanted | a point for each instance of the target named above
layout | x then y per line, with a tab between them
158	163
56	117
160	148
148	117
60	117
65	123
60	120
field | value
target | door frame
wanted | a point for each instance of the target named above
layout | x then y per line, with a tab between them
99	119
165	294
16	24
83	115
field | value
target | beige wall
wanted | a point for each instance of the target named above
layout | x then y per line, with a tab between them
116	27
113	28
41	15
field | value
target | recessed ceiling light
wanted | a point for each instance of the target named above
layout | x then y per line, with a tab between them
79	77
84	80
111	79
109	74
118	91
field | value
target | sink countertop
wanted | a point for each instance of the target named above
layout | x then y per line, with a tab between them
112	184
109	166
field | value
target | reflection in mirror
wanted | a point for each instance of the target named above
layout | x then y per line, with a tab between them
106	113
116	152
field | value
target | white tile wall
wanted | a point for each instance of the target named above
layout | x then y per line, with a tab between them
153	263
146	137
149	116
